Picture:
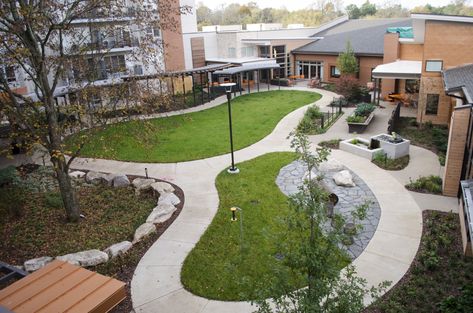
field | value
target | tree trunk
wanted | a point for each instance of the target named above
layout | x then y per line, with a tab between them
67	191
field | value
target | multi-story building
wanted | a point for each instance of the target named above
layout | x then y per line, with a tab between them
106	45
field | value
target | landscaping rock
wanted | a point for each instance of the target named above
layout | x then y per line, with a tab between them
168	198
95	178
120	180
35	264
331	165
142	184
143	231
162	187
161	213
85	258
344	178
118	249
77	174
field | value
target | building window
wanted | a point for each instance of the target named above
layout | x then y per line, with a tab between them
432	105
433	66
138	70
247	52
232	52
334	72
9	73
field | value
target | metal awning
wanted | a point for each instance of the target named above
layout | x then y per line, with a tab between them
247	68
62	287
399	70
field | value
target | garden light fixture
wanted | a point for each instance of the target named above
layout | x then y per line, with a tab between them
228	90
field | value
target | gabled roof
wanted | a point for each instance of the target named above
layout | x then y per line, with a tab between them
460	79
365	35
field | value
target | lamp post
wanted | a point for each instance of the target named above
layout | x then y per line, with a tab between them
228	89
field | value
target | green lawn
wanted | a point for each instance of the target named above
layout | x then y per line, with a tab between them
196	135
215	269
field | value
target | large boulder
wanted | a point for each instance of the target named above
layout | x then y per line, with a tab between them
168	198
95	178
118	249
344	178
142	184
35	264
120	180
76	174
143	231
331	165
162	187
85	258
161	213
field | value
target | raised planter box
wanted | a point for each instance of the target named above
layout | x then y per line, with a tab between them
393	149
362	149
360	127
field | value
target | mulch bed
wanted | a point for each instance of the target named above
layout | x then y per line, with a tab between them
123	268
439	269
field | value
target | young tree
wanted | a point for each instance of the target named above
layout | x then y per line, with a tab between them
55	42
347	62
353	11
311	248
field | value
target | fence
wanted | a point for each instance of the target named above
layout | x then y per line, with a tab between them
395	118
328	118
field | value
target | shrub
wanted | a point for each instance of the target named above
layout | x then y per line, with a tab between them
355	119
381	160
349	88
9	176
429	184
313	112
459	304
364	109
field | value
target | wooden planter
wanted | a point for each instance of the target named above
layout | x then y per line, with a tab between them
360	127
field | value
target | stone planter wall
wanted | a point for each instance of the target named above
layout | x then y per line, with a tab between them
360	127
362	151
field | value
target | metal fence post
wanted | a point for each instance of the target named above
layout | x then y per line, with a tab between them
322	121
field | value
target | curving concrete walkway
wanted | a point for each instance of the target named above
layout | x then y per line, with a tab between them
156	285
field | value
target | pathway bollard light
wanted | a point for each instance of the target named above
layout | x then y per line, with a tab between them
228	89
234	219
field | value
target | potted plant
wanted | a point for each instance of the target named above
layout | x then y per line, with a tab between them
361	117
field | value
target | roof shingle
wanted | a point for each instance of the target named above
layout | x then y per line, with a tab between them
365	35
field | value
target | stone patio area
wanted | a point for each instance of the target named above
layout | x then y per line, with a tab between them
291	176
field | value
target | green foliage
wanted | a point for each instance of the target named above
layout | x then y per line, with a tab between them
330	144
355	119
381	160
429	184
462	303
195	135
53	200
364	109
9	176
353	11
346	61
368	9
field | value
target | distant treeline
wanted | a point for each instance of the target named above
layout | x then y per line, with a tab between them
317	13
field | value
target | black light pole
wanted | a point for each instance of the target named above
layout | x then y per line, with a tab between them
228	89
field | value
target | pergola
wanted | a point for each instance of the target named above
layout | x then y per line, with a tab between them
235	73
201	72
399	69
